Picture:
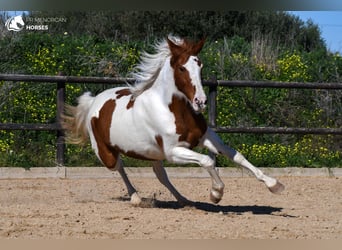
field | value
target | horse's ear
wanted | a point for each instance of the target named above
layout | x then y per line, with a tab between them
174	48
198	46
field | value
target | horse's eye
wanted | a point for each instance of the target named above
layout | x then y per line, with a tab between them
182	69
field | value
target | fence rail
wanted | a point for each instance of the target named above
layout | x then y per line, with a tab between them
213	85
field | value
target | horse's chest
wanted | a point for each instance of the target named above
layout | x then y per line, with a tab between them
190	126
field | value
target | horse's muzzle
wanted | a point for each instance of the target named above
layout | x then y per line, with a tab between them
200	104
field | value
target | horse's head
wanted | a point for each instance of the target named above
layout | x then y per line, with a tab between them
187	71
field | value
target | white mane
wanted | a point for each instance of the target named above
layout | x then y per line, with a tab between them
147	71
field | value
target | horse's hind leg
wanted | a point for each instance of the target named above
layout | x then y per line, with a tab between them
132	192
161	174
215	145
110	157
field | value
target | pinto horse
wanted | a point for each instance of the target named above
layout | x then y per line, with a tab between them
158	118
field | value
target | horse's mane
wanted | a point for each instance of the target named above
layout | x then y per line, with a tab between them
147	71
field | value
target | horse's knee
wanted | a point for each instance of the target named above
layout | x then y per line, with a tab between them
207	162
238	157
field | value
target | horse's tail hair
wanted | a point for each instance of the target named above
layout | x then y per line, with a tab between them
74	120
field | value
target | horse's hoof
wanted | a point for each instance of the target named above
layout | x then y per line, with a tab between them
277	188
215	196
135	199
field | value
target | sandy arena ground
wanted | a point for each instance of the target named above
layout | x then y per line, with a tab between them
52	208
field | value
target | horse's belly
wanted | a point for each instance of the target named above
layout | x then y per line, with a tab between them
131	143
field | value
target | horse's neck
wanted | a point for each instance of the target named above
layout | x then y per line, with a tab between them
165	85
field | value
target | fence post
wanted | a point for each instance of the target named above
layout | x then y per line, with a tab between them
60	132
212	112
212	109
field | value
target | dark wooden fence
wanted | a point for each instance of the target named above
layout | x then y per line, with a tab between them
213	84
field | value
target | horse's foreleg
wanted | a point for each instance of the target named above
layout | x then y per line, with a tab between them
132	192
183	155
213	142
161	174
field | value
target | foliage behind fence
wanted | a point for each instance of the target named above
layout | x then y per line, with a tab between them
300	148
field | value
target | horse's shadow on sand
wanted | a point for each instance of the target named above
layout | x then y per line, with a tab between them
213	208
207	207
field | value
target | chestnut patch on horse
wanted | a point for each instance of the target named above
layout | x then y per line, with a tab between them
101	131
130	104
190	126
125	92
135	155
183	82
130	153
181	74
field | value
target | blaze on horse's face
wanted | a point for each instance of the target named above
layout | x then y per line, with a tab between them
187	72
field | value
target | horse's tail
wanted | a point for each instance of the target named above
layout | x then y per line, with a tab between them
74	120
